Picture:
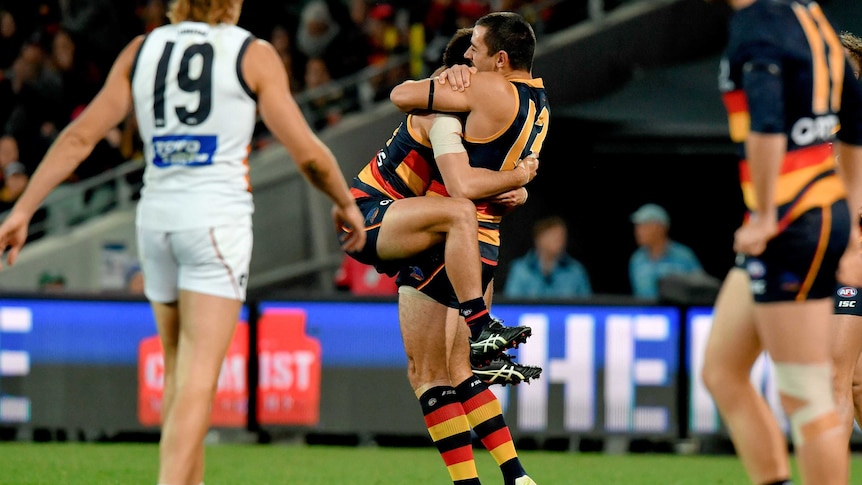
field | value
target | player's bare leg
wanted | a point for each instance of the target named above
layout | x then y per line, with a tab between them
206	328
423	329
731	350
846	350
797	335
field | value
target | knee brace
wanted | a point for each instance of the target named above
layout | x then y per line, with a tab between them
811	386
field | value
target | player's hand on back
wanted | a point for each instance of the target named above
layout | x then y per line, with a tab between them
458	76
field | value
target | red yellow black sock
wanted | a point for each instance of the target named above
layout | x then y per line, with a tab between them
476	315
447	424
486	418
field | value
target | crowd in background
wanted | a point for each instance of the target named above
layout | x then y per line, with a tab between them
56	54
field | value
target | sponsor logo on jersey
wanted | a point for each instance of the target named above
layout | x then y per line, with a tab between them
184	150
807	131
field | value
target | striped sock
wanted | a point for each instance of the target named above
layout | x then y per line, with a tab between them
486	418
450	432
476	315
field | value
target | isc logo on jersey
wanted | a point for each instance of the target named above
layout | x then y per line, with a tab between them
184	150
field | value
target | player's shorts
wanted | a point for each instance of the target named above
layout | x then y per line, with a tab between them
373	209
848	300
427	273
212	261
800	263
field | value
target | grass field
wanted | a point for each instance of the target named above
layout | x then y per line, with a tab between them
102	464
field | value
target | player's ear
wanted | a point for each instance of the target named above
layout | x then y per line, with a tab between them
502	59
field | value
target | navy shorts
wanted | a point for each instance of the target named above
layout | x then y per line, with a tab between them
373	209
800	263
427	273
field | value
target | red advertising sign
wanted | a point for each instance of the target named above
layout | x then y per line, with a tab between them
289	377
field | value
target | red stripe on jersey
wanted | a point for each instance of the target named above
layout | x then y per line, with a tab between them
489	262
357	193
795	160
735	101
418	165
458	455
438	188
443	414
381	180
478	401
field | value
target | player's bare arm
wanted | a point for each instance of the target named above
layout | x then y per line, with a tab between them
460	178
267	78
765	153
489	93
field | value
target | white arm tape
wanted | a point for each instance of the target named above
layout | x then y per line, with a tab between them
445	135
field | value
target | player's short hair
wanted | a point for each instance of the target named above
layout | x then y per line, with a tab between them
508	31
853	44
209	11
457	47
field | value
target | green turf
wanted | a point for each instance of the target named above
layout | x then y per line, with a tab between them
102	464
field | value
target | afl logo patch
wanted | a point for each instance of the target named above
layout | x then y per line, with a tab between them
755	269
847	292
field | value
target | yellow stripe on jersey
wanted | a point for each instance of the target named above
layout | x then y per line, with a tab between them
820	100
517	148
367	177
414	182
740	126
790	184
836	54
489	236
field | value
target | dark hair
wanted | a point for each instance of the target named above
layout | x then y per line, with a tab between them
508	31
457	47
543	225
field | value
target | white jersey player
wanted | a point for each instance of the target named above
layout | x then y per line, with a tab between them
193	85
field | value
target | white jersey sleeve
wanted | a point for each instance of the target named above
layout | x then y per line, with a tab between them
196	116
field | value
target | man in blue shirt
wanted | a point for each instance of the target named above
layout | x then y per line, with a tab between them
547	271
657	255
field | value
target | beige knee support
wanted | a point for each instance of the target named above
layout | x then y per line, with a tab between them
806	391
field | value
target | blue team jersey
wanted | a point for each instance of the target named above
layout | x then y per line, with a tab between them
785	72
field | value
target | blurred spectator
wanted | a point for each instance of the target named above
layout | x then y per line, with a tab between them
13	172
154	14
327	31
657	254
99	27
280	40
547	271
11	39
52	281
37	92
362	279
327	108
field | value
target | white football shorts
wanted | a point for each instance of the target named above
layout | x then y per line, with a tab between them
212	261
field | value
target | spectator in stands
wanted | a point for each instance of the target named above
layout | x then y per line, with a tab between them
13	172
154	14
363	280
280	40
327	108
327	31
657	255
547	271
11	39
